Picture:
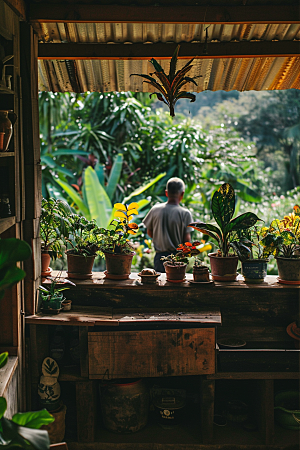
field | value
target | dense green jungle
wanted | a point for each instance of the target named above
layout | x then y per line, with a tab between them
102	148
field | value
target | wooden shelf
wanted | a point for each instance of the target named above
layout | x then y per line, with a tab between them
6	154
7	223
4	90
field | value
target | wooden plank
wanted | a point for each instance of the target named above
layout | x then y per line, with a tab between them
96	13
6	223
84	356
86	398
39	348
254	376
81	316
265	402
243	49
207	399
164	315
151	353
6	154
7	372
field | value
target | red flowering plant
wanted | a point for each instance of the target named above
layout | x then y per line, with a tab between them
184	252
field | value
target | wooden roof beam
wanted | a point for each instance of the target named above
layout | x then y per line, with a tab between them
18	6
244	49
58	12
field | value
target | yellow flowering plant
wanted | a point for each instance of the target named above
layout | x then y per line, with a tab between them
115	238
282	237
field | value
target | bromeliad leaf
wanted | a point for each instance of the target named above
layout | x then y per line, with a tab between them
223	205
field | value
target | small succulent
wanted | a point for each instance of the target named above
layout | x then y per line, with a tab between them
170	88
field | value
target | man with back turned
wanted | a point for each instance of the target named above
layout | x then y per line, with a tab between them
166	223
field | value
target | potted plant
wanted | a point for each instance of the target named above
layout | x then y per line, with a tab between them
114	243
282	239
53	225
223	263
250	252
200	272
52	297
82	246
175	265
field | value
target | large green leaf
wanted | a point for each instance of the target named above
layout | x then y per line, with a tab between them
208	229
33	419
114	175
242	222
75	197
3	406
98	201
3	359
19	436
223	204
143	188
13	250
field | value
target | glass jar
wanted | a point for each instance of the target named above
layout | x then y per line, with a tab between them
5	130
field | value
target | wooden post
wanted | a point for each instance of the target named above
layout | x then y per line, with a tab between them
266	410
207	399
86	397
84	357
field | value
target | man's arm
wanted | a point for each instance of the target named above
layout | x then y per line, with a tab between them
150	233
186	237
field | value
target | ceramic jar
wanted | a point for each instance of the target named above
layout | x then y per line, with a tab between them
5	130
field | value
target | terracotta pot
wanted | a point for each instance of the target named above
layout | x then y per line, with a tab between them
288	268
223	268
118	265
175	273
45	264
254	270
6	128
201	273
79	266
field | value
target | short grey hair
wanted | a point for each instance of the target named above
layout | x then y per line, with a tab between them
175	186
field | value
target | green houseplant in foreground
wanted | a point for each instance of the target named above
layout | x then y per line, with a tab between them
82	246
52	296
282	240
53	226
223	264
114	241
249	249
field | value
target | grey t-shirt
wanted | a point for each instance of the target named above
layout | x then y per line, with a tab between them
168	224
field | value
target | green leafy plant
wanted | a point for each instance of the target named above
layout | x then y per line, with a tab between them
115	238
22	431
53	225
184	252
82	236
3	359
248	244
12	250
52	292
223	206
170	89
283	236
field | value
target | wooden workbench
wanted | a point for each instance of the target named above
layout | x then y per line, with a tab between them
112	315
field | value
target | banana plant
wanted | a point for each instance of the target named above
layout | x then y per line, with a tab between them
170	89
95	202
223	207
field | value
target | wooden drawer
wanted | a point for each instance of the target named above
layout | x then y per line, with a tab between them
151	353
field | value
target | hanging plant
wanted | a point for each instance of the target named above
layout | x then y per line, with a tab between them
170	88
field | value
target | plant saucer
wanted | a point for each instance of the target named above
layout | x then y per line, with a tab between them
231	343
296	283
149	279
177	281
210	282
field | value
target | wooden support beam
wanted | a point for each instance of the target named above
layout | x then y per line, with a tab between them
213	50
58	12
18	6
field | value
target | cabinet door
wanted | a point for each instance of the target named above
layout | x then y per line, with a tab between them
151	353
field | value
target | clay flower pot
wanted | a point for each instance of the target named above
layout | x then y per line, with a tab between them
80	266
118	265
223	268
175	273
288	269
45	264
201	274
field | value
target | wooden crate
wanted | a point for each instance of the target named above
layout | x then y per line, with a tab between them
151	353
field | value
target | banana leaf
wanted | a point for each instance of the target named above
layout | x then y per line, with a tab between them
114	176
98	201
76	198
143	188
